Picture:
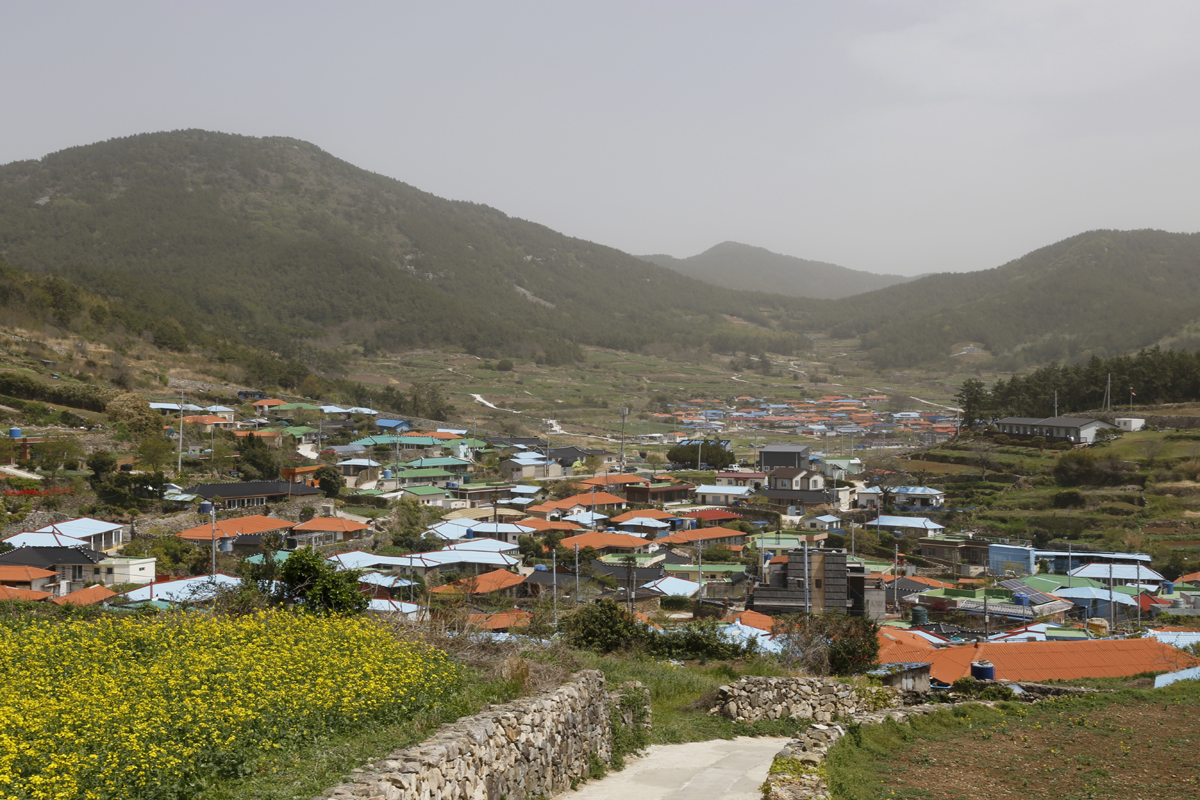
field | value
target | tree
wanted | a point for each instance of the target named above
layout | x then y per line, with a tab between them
135	413
329	480
831	643
56	453
258	462
973	399
154	452
711	453
984	451
101	463
591	465
311	582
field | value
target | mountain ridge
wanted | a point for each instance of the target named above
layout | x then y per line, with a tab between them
734	265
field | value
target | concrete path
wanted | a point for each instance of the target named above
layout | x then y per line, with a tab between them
714	770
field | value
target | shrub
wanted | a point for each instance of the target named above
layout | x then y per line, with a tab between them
1071	498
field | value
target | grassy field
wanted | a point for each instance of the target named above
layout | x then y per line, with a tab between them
1130	744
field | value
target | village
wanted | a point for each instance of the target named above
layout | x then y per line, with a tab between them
503	531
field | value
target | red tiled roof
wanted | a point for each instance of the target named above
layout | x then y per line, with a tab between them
613	480
936	584
493	581
19	573
229	528
268	403
85	597
1193	577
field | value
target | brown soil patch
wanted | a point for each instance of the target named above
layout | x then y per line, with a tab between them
1148	751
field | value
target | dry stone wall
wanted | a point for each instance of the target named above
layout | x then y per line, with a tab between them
752	699
532	747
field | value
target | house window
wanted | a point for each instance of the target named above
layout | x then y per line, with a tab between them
77	572
108	571
817	582
96	571
141	569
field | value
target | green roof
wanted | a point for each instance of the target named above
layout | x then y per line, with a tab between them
296	407
280	557
299	430
1067	633
468	442
443	461
1051	583
733	568
422	473
370	492
425	490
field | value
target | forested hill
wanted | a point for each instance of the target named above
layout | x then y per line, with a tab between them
741	266
1099	293
272	241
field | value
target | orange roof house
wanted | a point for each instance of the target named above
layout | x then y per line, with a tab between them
613	480
9	593
331	524
501	620
540	525
499	580
232	528
705	536
270	402
85	597
607	542
1043	661
13	575
752	619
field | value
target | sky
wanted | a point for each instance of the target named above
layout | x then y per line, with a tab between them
901	137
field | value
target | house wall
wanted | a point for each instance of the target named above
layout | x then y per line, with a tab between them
534	747
124	570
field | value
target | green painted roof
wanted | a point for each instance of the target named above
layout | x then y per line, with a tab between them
425	490
732	568
443	461
299	430
296	407
1050	583
422	473
280	557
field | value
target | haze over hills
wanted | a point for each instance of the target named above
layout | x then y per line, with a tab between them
1098	293
743	266
274	242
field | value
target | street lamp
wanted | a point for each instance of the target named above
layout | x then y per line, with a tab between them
210	509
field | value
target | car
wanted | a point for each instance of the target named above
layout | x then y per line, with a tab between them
630	469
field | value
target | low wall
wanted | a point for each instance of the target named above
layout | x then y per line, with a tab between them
751	699
535	746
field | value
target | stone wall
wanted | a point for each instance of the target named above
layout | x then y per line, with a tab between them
751	699
532	747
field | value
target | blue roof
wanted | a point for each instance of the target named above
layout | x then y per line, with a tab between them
889	521
82	527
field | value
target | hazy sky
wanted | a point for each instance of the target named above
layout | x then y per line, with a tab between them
889	136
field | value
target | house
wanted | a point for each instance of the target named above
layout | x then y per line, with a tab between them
825	522
75	566
954	550
775	456
711	516
272	439
200	589
247	494
918	497
233	529
89	596
325	530
207	422
501	621
618	482
517	469
96	533
1044	661
433	496
1130	424
498	582
659	493
1076	430
722	495
796	479
20	576
1111	575
673	587
607	543
593	501
706	537
643	526
355	467
901	525
755	480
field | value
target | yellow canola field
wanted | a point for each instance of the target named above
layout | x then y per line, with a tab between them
150	708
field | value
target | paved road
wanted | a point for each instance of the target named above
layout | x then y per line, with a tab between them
716	770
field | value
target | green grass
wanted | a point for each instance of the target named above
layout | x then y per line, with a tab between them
676	694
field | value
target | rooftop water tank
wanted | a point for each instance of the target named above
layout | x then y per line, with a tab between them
983	671
1021	599
387	474
920	616
1168	587
14	433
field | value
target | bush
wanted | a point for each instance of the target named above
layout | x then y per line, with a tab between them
605	627
504	365
1071	498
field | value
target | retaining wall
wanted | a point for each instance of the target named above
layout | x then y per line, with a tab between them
532	747
751	699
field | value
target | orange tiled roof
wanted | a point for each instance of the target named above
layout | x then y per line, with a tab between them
331	524
493	581
85	597
268	403
1043	661
936	584
539	524
645	618
699	534
752	619
711	514
586	499
1190	578
501	620
229	528
19	573
9	593
598	539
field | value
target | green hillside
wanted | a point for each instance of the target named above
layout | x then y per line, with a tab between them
275	243
741	266
1099	293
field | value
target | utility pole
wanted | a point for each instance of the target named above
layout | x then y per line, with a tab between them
554	575
1056	403
179	465
577	573
624	412
987	625
1112	603
807	598
896	577
1138	581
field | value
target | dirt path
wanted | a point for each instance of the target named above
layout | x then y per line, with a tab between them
715	770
